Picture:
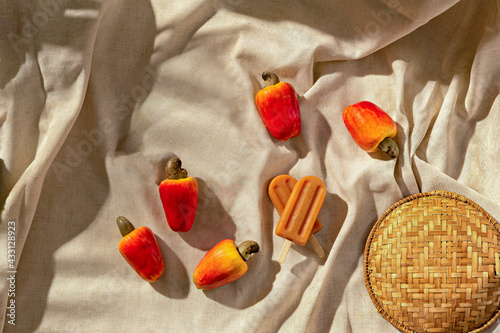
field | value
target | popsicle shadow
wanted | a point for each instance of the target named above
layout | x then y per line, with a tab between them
332	217
175	281
352	246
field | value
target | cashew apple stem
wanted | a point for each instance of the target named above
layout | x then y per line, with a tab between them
174	170
390	147
270	79
247	248
125	226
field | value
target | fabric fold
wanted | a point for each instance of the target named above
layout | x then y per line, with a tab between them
96	96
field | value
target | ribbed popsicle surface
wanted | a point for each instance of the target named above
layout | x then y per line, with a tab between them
301	211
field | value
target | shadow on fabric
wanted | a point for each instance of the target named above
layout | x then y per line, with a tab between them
336	280
176	282
74	193
212	222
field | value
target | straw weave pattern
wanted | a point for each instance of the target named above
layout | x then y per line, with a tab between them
431	264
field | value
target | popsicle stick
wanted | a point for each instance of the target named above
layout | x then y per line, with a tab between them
316	246
284	251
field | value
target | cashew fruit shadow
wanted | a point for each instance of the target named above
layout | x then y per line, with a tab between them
175	281
212	222
251	288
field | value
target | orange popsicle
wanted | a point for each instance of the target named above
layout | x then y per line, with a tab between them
279	191
300	213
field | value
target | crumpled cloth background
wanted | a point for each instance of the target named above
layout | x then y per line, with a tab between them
97	95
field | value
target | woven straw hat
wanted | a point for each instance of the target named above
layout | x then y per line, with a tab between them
431	264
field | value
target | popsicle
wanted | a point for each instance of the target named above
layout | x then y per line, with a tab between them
279	191
299	216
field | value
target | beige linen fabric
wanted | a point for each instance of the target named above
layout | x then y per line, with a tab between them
97	95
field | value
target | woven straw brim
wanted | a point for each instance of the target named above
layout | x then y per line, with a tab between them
431	264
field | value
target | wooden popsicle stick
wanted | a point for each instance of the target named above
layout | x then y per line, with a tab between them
284	251
316	246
